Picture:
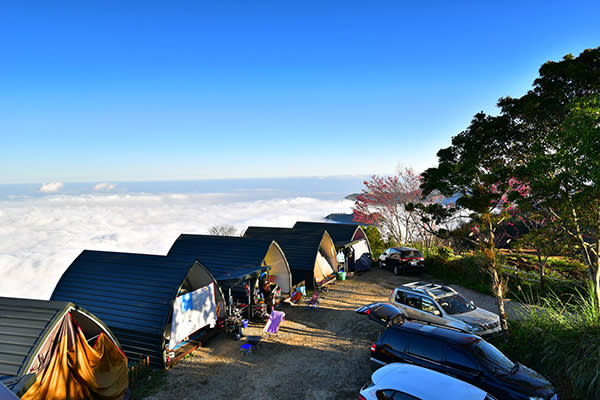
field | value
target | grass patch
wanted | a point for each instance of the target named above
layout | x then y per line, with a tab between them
469	271
144	381
562	341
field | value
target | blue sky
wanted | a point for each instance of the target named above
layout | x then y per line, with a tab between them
149	90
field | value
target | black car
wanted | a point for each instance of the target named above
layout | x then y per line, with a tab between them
453	352
402	259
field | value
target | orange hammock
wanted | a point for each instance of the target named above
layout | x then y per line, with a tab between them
77	371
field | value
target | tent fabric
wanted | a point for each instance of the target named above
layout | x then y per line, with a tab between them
279	268
231	260
191	312
360	248
342	234
76	370
133	294
322	268
300	250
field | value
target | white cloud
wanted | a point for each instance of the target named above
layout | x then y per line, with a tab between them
104	187
40	237
51	187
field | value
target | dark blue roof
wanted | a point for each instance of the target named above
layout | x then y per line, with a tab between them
340	233
300	249
230	259
132	293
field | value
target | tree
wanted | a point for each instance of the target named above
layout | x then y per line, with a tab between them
565	177
549	141
477	168
383	203
222	230
560	118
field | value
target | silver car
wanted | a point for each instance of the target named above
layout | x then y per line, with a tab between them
442	305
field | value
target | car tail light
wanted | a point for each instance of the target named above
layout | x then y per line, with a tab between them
404	259
368	312
361	397
421	258
373	347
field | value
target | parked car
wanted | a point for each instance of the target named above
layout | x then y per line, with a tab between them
452	352
400	381
442	305
402	259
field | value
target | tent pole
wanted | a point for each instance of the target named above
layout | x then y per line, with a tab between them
251	311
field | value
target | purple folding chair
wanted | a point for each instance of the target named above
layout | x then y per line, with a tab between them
275	319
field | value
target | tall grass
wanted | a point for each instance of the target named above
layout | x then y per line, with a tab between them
561	340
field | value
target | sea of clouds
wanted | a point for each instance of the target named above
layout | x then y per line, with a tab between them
41	235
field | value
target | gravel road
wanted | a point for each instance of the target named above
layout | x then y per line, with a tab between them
322	354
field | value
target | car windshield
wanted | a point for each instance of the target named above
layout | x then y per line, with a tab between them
493	358
455	304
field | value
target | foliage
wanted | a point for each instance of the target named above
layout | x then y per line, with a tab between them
445	252
378	245
469	271
477	168
387	202
222	230
560	117
540	155
566	348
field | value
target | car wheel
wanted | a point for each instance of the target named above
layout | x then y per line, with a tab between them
396	270
380	264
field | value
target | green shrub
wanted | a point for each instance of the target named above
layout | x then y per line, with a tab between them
562	341
445	252
467	271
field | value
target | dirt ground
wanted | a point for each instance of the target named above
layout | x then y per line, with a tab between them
321	354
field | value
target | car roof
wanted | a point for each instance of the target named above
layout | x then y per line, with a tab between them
401	248
432	289
435	331
424	383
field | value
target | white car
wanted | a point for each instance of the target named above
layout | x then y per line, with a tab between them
399	381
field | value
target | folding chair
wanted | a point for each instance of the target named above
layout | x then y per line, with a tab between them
313	302
275	319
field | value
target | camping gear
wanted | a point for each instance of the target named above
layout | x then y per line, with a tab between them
363	263
253	342
295	297
341	276
275	320
244	323
313	302
58	350
246	349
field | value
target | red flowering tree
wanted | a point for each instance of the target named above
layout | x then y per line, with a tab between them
382	203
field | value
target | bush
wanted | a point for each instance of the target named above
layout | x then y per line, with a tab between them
467	271
561	341
445	252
